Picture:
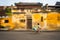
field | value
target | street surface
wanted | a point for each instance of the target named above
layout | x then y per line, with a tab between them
29	36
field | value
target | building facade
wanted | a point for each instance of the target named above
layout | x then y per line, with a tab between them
25	15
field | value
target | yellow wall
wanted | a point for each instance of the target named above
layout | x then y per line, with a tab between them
16	21
52	21
58	21
15	10
36	18
10	24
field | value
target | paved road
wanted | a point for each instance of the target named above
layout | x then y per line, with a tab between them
29	36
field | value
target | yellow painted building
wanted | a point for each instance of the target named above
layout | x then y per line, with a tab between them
47	21
20	21
6	22
25	17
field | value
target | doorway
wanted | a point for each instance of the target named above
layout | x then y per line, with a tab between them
29	23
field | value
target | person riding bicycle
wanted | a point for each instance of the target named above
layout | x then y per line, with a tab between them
36	28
